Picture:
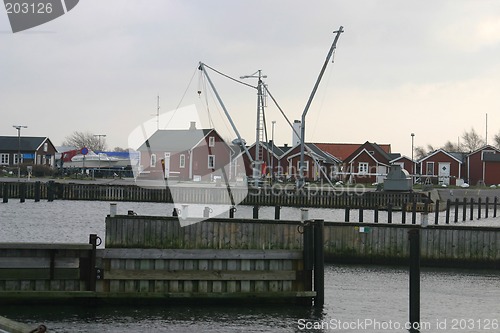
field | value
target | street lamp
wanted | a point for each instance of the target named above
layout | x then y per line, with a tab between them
412	162
100	148
272	150
18	128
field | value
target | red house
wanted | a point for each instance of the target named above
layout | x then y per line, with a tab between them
369	163
193	154
406	163
318	164
442	167
270	154
483	167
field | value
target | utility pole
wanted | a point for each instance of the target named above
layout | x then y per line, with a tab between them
18	128
301	181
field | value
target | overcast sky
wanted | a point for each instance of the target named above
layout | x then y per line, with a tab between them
427	67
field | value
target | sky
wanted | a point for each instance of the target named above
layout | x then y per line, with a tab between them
431	68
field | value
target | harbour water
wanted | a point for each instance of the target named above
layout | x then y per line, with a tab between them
358	298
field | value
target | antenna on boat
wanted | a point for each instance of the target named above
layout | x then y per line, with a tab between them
259	129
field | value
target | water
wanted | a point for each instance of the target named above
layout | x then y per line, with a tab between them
357	298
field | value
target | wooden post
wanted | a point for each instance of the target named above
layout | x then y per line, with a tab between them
277	210
360	213
375	214
495	202
22	192
231	212
319	264
92	263
455	217
37	191
346	218
487	207
255	212
471	209
464	210
308	240
403	213
479	208
5	195
414	212
436	212
389	212
414	237
448	202
50	191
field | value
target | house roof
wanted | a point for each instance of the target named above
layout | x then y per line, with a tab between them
315	150
456	156
383	150
174	140
25	143
271	147
490	157
488	147
339	150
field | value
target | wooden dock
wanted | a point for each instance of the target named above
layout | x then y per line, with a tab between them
272	196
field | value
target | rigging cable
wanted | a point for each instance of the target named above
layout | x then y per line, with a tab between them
229	77
182	98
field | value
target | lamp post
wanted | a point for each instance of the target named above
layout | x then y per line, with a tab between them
272	150
18	128
412	162
100	148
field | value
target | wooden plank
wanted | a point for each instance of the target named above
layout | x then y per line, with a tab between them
196	275
183	254
39	274
37	262
45	246
15	327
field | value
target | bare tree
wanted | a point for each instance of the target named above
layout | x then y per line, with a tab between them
421	152
452	147
496	140
85	139
471	141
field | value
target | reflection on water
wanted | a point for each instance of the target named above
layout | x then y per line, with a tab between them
355	296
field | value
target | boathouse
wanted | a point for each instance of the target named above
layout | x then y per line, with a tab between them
442	167
34	150
483	167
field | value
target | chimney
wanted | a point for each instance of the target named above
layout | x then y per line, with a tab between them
297	126
192	127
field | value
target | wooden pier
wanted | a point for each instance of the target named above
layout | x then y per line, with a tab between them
272	196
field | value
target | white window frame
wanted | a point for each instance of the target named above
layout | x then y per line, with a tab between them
211	141
363	167
4	159
46	147
212	159
182	161
306	166
487	151
153	160
431	173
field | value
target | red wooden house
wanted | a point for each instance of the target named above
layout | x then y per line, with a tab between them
193	154
318	163
442	167
405	163
369	163
34	150
483	167
270	155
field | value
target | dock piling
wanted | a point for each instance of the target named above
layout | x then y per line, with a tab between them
414	238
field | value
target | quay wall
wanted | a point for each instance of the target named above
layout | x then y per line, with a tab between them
441	245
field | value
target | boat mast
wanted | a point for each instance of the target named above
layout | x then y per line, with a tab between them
301	180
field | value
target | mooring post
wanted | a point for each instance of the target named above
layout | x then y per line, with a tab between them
464	210
455	217
5	193
495	202
92	262
479	208
277	210
37	191
308	240
346	219
255	212
375	215
436	212
487	207
231	212
206	211
389	212
414	237
22	192
403	213
448	203
50	191
319	264
414	212
112	209
175	213
471	209
360	215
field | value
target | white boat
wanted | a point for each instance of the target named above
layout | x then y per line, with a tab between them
92	160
